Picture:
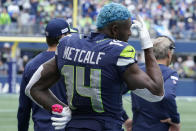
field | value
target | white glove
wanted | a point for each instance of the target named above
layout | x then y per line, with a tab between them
143	31
61	121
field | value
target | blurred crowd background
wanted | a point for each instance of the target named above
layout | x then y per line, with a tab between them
28	17
175	18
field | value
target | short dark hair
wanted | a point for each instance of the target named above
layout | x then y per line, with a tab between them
52	41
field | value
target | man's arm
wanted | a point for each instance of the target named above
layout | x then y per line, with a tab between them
169	103
24	109
38	87
135	78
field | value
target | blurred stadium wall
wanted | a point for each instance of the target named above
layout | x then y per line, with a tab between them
10	83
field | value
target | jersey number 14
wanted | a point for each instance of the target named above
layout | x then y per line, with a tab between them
93	91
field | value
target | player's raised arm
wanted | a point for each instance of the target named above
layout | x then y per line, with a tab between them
152	79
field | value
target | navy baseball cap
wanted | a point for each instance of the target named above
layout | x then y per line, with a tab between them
58	26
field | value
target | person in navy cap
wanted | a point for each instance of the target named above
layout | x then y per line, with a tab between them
55	30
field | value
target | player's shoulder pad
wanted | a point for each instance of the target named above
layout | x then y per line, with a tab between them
126	50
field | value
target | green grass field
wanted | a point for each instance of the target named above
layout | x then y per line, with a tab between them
9	105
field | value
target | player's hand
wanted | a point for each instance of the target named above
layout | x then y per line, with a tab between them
63	117
128	124
173	126
143	32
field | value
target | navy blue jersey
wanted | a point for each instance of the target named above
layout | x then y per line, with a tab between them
92	67
147	115
41	117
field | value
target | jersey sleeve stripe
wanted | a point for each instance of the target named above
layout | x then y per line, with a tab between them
147	95
124	62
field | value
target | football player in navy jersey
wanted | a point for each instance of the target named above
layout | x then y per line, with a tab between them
94	68
163	115
55	29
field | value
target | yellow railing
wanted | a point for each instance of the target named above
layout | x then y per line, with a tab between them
18	40
75	13
22	39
